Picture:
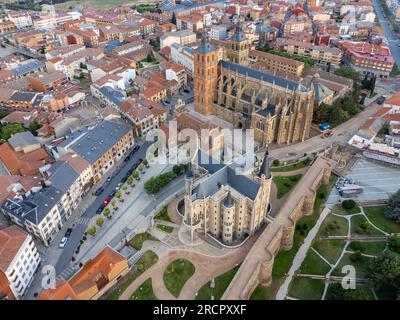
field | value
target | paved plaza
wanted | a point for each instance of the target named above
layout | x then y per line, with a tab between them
379	181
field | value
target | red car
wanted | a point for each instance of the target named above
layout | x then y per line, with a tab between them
106	201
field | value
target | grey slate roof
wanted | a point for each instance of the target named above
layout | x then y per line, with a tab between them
28	67
205	48
92	144
226	176
238	37
222	174
36	207
263	76
114	96
22	139
62	175
33	97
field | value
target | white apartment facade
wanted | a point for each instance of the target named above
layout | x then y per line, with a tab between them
20	261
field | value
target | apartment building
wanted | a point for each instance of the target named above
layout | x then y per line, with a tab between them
218	32
182	37
324	55
102	145
274	63
20	19
368	58
18	264
47	81
184	56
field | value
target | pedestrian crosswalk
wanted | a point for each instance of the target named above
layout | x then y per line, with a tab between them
84	221
66	274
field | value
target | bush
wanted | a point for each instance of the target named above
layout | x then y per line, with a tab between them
354	257
356	246
348	204
135	174
322	196
365	225
100	222
106	212
155	184
177	169
275	162
91	230
394	244
393	208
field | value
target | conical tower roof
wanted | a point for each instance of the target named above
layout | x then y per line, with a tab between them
228	203
264	170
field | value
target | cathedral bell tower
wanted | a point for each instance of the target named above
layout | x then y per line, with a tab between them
205	76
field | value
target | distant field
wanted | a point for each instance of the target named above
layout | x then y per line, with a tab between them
100	3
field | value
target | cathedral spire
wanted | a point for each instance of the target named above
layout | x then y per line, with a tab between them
264	170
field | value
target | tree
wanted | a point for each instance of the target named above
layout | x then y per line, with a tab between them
364	83
385	271
145	163
91	230
372	84
275	163
135	174
106	212
176	169
34	126
173	18
394	244
348	204
9	129
393	207
113	203
100	222
129	180
348	72
118	194
141	167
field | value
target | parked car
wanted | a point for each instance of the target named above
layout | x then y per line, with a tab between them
77	249
100	210
136	148
119	185
63	242
68	232
98	191
186	91
112	194
140	160
106	201
380	100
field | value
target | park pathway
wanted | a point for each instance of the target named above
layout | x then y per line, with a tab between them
301	254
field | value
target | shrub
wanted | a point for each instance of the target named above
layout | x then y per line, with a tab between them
91	230
394	244
348	204
356	246
155	184
321	195
135	174
177	169
393	208
354	257
275	162
305	226
106	212
365	225
100	222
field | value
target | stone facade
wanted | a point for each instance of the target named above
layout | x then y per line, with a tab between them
278	109
226	206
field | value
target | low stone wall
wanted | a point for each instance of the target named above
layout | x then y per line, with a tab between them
280	233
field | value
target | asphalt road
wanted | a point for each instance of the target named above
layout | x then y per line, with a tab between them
77	233
390	35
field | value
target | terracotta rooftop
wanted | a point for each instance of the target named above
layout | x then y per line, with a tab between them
63	291
11	240
394	100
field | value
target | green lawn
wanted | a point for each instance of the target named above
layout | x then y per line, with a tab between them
361	292
338	209
176	275
285	184
357	230
144	292
378	217
284	259
313	264
368	247
137	241
146	261
361	266
329	249
306	289
167	229
162	215
291	167
221	283
333	226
